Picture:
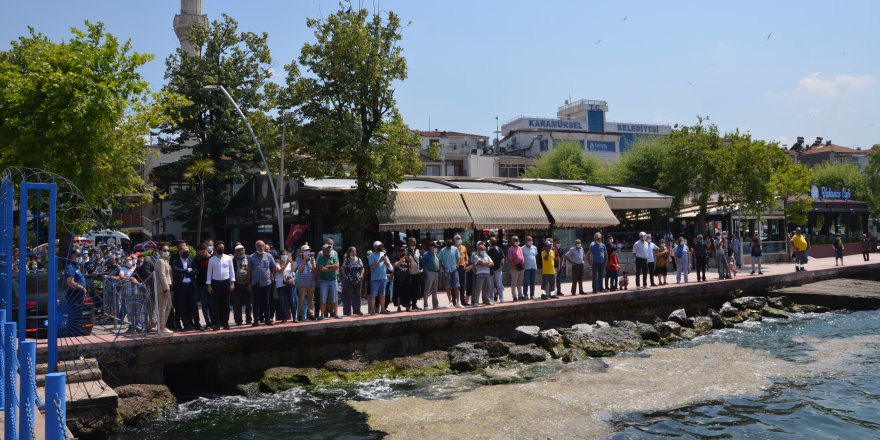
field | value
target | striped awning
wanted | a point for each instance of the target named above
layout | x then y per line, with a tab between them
506	210
579	211
423	210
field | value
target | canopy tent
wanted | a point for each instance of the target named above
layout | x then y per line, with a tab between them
424	210
506	210
579	210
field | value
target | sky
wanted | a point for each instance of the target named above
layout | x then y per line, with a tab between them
778	69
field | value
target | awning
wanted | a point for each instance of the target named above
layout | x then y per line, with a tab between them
506	210
579	211
424	210
635	203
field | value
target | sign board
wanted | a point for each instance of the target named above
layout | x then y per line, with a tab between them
560	124
825	193
600	146
621	127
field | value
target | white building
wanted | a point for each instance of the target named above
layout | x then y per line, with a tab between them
583	122
461	154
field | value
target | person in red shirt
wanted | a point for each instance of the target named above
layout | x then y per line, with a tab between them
613	267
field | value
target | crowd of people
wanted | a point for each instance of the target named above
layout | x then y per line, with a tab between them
262	286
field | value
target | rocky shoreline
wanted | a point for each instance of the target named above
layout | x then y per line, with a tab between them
513	359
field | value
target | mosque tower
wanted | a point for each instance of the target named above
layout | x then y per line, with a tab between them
190	14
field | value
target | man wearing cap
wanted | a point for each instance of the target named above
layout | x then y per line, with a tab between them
642	250
721	256
430	275
328	270
379	266
240	296
260	268
799	244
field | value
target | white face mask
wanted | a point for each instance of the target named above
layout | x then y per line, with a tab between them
457	241
165	254
284	258
482	254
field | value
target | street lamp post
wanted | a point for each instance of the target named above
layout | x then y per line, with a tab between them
214	88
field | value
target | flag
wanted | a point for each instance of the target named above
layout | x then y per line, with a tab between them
295	234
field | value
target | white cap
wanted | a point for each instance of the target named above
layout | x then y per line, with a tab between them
377	243
642	234
239	247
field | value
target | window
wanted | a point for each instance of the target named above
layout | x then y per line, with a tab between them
511	170
545	145
454	168
432	170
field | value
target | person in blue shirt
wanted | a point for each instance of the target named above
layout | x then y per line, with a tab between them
597	261
449	257
431	275
379	266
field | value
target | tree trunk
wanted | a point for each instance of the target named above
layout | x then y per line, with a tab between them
201	214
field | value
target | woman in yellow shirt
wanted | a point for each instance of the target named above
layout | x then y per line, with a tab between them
548	271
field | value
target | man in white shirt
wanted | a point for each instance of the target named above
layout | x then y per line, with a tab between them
220	281
652	258
642	250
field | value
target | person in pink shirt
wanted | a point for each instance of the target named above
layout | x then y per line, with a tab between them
516	262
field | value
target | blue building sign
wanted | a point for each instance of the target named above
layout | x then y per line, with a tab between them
600	146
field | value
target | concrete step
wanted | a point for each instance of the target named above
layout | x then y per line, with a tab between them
88	395
75	376
65	366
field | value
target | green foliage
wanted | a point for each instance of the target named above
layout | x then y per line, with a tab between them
643	163
872	175
842	175
567	161
197	173
209	125
80	108
351	122
791	183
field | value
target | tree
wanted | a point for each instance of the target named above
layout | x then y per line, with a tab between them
197	173
81	109
567	161
208	127
692	167
872	174
642	164
791	184
351	124
842	175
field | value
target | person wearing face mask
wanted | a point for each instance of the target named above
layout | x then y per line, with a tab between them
284	279
449	259
701	256
530	254
162	272
482	271
200	264
219	282
260	268
184	295
497	256
548	271
241	298
575	257
516	266
559	263
131	304
379	266
353	277
209	246
413	290
642	250
596	258
328	285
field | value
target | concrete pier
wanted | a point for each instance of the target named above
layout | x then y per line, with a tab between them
198	362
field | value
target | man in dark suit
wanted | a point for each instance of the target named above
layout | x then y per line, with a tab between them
184	274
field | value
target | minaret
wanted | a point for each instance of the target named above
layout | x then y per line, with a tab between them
190	14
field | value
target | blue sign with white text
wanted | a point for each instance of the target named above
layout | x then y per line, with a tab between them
600	146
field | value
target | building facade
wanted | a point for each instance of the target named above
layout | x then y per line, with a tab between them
583	122
825	151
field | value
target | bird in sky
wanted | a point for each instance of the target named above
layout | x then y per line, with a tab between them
692	84
597	42
768	36
624	18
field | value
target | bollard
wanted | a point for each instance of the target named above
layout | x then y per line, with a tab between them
56	421
9	334
27	352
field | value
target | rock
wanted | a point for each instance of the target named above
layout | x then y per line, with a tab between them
143	403
430	359
728	311
752	315
284	378
573	355
749	302
771	312
779	302
679	317
702	325
494	346
465	357
687	334
822	309
558	352
345	365
526	334
584	328
624	324
549	339
667	329
495	375
98	427
736	319
688	323
606	341
527	353
719	322
602	324
647	332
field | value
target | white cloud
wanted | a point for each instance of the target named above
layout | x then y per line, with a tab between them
829	88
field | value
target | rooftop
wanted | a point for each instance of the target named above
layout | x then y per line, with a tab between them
448	134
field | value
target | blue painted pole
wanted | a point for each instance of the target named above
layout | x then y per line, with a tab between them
9	381
22	260
27	352
56	414
2	360
53	285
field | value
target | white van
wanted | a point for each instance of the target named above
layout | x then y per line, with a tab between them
110	238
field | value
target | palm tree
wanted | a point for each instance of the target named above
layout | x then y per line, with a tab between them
197	173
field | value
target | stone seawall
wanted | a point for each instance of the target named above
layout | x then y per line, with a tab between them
193	363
